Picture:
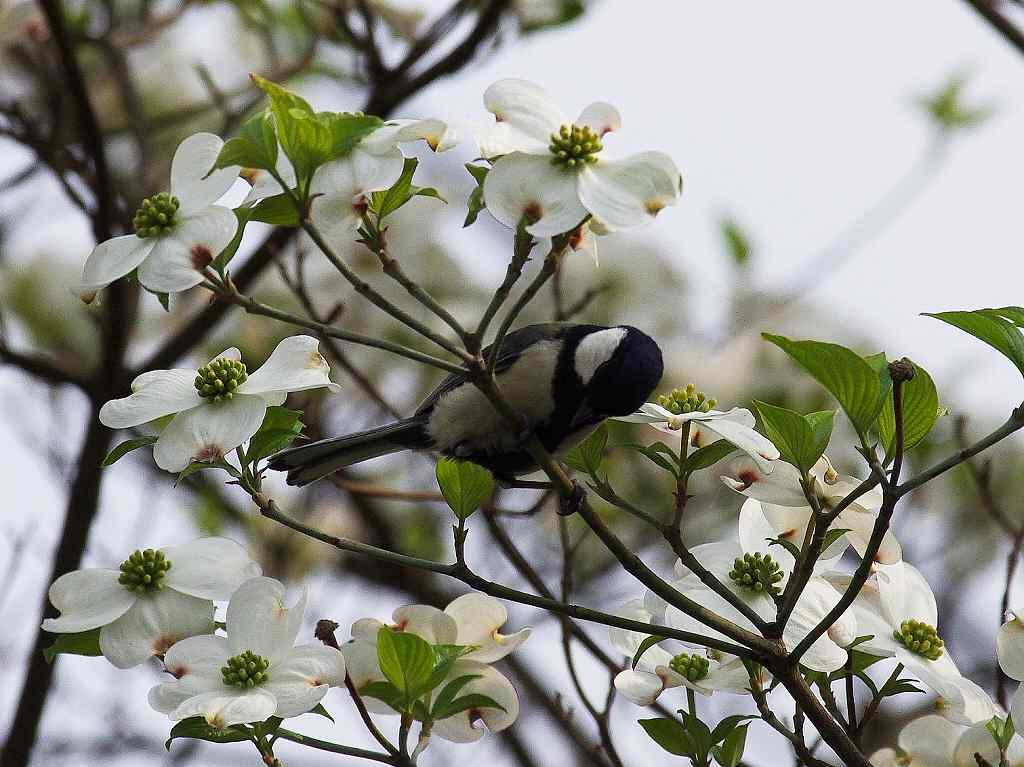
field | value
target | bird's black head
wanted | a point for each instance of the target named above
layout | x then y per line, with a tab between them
620	368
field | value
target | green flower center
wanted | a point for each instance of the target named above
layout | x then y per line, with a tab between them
144	571
245	670
574	146
156	215
686	400
693	667
920	638
757	572
218	380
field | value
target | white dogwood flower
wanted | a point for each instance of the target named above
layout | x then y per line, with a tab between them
177	233
668	664
219	406
471	619
735	426
254	672
827	653
897	609
781	487
556	172
340	189
157	597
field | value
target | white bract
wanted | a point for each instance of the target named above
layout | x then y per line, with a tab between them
471	619
897	609
340	190
668	664
254	672
1010	649
220	406
555	172
157	598
178	234
735	426
781	487
827	653
933	741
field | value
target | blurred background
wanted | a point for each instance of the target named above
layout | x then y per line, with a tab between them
846	167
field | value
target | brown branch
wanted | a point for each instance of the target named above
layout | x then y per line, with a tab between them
41	367
390	94
989	10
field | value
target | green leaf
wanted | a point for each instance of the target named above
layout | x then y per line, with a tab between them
800	439
561	12
833	535
708	456
224	257
736	241
298	132
730	752
319	710
466	702
659	453
588	454
384	692
844	373
899	687
449	691
80	643
476	198
1002	730
278	210
388	201
788	545
992	327
698	732
405	659
197	729
464	485
727	725
255	146
645	645
347	129
445	657
669	734
279	429
920	412
126	447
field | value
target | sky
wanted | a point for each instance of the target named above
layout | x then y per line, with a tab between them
792	117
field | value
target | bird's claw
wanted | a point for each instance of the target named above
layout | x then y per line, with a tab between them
570	504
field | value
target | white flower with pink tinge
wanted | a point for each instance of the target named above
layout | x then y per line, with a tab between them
254	672
556	172
157	598
177	233
220	406
670	664
780	487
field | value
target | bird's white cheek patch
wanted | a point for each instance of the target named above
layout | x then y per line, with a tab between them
595	350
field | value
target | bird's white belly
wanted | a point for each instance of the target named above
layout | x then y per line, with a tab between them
465	416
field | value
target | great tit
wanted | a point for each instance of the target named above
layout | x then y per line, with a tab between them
563	378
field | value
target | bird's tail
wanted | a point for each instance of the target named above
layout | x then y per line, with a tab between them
308	463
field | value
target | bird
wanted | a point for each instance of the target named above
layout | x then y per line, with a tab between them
563	378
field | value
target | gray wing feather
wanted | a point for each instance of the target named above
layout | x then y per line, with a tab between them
513	345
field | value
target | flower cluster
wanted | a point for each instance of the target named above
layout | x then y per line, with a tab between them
471	622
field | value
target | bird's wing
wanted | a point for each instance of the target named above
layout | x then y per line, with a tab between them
513	345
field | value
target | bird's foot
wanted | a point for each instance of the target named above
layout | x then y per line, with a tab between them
570	504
